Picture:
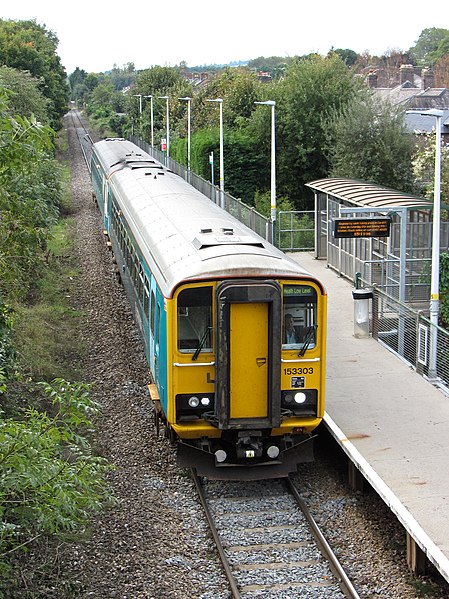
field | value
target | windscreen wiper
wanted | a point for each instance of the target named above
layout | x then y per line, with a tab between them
308	338
201	343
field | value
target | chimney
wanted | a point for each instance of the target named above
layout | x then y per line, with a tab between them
407	73
427	78
372	79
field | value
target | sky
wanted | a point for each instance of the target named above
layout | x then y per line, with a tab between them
95	35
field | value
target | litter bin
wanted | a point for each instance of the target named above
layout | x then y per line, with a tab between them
361	312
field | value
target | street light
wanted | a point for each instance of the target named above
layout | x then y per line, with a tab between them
166	98
188	99
140	108
435	279
272	103
151	120
220	102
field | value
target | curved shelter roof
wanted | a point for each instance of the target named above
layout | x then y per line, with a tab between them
368	195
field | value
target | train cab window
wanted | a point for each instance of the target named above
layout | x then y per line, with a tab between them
194	320
299	317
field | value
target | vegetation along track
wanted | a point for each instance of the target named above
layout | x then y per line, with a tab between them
268	542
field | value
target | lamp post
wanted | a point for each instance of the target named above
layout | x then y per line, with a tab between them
188	99
272	103
166	98
435	279
151	120
220	103
140	108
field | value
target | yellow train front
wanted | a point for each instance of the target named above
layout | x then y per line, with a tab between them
234	330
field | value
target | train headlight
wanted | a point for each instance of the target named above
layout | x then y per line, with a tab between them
300	397
194	402
288	398
205	401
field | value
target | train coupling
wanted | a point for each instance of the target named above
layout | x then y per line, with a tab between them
249	444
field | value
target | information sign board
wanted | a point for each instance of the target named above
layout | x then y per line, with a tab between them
361	227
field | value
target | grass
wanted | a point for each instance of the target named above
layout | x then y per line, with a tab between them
46	331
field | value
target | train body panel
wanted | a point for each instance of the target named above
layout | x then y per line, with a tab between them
236	385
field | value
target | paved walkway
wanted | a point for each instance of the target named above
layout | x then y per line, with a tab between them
392	422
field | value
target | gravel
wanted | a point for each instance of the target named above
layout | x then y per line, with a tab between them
153	542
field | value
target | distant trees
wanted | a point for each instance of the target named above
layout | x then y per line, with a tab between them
326	121
431	45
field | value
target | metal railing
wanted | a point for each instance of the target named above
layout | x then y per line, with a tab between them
410	335
296	230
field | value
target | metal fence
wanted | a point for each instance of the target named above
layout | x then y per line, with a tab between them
296	230
411	336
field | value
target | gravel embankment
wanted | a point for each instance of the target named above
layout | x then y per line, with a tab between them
154	543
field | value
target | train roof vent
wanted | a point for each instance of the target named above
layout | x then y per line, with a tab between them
210	238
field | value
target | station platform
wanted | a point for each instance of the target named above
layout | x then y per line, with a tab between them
391	422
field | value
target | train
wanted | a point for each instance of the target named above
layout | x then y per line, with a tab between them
234	330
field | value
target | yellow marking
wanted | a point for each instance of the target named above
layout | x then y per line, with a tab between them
249	360
435	296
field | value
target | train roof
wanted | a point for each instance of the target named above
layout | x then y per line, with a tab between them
182	234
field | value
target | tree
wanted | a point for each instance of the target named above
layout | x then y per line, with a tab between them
25	97
27	46
368	141
313	89
424	166
427	43
238	88
30	193
349	57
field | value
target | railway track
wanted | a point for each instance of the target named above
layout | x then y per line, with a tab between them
83	135
268	542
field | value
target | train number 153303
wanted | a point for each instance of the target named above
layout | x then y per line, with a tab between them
307	370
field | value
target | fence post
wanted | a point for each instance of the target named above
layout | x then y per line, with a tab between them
375	314
418	365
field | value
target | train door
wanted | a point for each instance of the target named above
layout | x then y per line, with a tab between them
248	354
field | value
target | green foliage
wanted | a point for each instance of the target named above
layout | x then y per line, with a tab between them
46	334
29	197
349	57
424	166
50	481
25	97
427	44
312	90
104	105
7	352
27	46
368	141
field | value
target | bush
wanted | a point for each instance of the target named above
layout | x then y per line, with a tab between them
50	482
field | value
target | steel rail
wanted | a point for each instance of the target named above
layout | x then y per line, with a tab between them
232	582
337	569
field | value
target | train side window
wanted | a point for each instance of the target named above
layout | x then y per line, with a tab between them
299	317
194	306
153	301
146	297
157	325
